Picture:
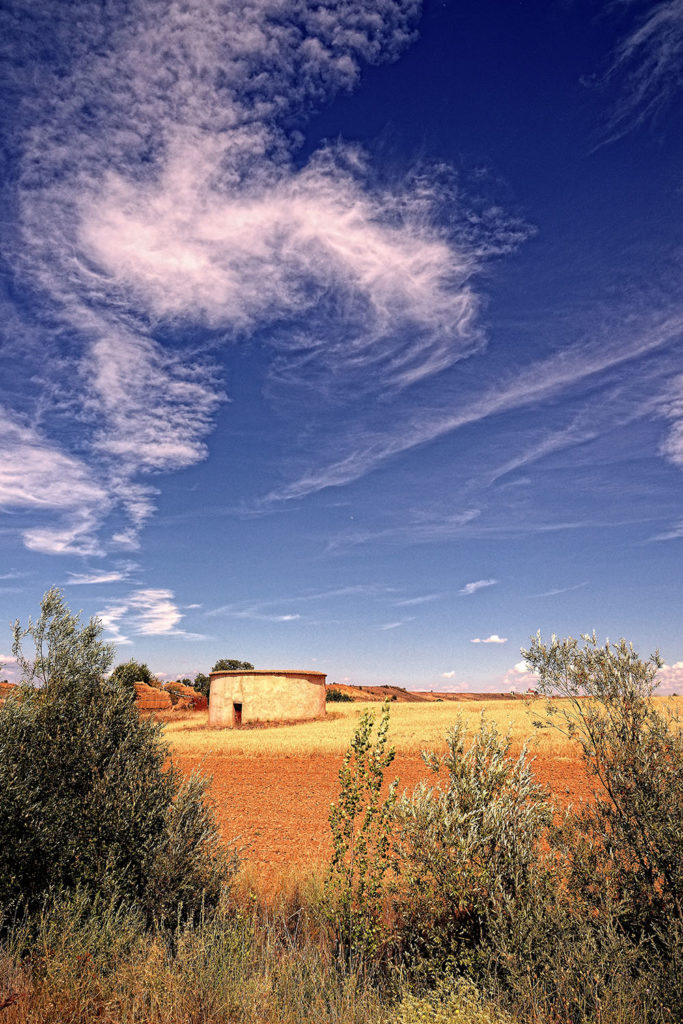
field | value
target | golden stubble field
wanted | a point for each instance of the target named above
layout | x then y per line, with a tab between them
272	787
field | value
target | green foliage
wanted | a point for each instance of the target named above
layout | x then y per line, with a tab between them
231	665
202	683
63	649
624	850
130	672
470	852
360	823
87	799
333	696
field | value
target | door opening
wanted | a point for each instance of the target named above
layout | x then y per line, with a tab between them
237	714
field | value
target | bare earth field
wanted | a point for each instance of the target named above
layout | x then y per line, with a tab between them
272	787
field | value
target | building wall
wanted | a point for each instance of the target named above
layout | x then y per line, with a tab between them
266	696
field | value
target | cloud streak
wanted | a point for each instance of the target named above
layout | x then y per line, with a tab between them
145	612
649	65
535	384
472	588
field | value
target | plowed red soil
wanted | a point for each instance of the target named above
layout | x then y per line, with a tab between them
279	806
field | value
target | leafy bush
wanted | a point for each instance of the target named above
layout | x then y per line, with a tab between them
87	799
624	850
202	683
130	672
333	696
360	823
470	852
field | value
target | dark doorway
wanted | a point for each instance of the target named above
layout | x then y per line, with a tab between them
237	714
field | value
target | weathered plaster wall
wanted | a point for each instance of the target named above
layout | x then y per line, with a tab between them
266	696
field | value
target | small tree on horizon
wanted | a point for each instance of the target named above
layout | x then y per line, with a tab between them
130	672
202	683
231	665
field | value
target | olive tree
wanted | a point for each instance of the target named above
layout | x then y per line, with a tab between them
88	798
626	845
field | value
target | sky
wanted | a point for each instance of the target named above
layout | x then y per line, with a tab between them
344	335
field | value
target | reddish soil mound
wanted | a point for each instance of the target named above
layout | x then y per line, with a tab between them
151	698
277	807
185	697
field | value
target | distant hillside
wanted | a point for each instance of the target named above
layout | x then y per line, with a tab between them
387	692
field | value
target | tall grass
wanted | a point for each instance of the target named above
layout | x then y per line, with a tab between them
249	964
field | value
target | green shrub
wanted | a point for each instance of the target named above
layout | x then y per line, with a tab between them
130	672
360	823
333	696
470	852
624	849
202	683
87	799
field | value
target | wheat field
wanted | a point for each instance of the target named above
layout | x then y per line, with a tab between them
413	727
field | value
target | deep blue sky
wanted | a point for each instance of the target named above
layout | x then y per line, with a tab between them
344	336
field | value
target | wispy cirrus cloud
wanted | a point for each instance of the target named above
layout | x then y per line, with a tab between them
161	215
561	590
150	611
409	602
648	65
561	373
35	475
472	588
79	579
265	608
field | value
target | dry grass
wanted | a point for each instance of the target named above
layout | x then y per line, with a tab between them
414	727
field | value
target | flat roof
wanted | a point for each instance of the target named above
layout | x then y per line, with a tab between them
269	672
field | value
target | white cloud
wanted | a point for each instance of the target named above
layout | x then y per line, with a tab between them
36	475
88	579
111	617
145	612
649	63
618	343
178	207
493	639
675	532
670	678
672	407
472	588
409	602
395	625
519	677
448	675
157	614
9	669
561	590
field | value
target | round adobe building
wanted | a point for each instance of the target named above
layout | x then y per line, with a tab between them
271	695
